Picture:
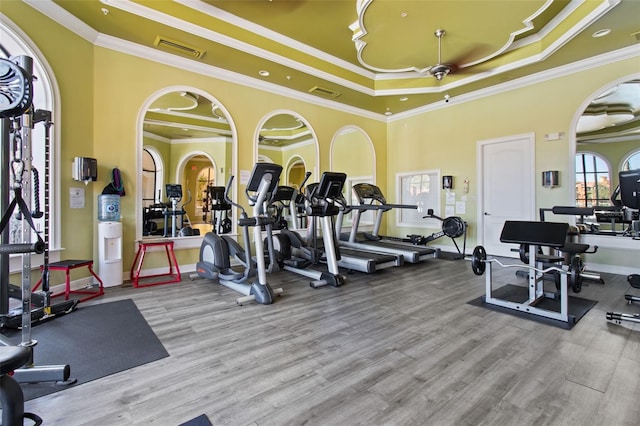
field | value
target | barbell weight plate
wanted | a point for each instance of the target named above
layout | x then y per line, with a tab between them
575	277
524	253
634	280
478	260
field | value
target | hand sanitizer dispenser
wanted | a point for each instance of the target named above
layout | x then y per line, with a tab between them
85	169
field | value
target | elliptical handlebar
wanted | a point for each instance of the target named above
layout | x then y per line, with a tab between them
189	198
307	175
228	199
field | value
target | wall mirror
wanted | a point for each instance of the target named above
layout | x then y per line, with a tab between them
285	138
187	153
349	143
607	141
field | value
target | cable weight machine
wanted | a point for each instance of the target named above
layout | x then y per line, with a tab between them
18	120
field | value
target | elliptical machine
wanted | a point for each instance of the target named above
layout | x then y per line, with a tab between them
299	255
216	250
216	203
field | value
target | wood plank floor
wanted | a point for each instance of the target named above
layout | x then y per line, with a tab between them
400	347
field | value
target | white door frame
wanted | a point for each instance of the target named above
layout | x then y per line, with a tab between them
530	137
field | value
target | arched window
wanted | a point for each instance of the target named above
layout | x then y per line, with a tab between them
43	134
593	180
632	162
152	177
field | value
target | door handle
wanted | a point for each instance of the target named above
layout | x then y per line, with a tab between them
487	214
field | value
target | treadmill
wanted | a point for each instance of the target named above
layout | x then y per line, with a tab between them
370	197
349	258
364	260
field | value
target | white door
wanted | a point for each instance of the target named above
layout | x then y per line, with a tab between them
506	167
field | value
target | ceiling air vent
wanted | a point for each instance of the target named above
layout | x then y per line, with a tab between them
179	47
317	90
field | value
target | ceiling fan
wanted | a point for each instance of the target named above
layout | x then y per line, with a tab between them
440	70
268	140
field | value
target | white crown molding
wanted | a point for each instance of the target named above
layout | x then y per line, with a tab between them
208	34
565	70
64	18
156	137
199	140
530	60
288	147
49	8
626	138
181	114
168	59
273	35
187	126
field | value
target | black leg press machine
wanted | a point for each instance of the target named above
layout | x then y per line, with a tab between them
534	299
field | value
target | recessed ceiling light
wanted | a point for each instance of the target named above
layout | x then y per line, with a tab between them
404	98
264	73
601	33
105	11
403	15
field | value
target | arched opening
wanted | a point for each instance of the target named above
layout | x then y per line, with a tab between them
44	148
187	130
286	138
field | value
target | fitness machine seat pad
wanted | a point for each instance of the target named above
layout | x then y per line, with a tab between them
574	248
13	357
549	234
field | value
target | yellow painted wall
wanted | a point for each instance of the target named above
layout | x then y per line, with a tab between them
273	154
125	88
102	93
446	138
74	74
352	154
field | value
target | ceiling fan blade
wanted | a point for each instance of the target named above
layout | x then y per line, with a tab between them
475	53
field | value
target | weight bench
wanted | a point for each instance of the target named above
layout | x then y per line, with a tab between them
11	396
533	235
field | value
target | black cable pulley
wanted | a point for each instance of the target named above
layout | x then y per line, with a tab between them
16	89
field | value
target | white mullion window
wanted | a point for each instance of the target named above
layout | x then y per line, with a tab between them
419	188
